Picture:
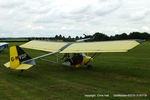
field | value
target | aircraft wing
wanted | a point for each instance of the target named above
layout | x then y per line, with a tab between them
105	46
44	45
3	43
83	47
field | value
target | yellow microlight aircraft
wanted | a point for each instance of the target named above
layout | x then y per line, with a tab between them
73	53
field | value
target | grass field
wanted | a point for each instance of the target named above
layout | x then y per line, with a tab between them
14	40
113	73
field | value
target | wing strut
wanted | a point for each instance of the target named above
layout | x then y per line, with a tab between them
49	54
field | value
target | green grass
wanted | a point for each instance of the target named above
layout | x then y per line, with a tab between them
113	73
14	40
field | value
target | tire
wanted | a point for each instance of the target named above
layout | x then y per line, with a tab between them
89	66
22	71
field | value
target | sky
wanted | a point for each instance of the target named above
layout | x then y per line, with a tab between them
42	18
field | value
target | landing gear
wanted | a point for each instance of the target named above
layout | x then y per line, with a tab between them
89	67
21	71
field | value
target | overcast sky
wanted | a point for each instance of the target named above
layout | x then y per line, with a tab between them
25	18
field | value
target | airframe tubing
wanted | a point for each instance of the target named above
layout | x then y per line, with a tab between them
49	54
41	56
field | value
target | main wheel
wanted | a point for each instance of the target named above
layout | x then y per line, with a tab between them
89	66
21	70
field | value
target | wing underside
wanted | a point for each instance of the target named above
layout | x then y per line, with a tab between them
107	46
83	47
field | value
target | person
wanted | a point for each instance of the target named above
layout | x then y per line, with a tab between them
67	58
77	59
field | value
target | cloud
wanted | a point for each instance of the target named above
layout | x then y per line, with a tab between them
145	28
75	11
34	27
8	4
139	15
72	17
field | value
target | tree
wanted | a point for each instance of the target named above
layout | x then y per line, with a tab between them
100	37
69	37
122	36
77	38
56	37
60	36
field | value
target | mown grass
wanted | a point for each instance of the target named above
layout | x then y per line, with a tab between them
113	73
13	40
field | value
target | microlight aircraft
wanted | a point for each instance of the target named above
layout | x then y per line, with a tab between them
3	45
74	53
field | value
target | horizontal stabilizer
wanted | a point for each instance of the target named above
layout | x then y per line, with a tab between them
24	67
20	67
7	64
18	58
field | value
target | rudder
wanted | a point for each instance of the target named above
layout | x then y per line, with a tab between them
17	56
14	61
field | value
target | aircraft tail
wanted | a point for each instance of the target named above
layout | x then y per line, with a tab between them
17	56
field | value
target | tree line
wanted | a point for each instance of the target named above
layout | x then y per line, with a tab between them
95	37
103	37
124	36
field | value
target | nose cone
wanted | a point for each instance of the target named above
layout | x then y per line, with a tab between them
88	59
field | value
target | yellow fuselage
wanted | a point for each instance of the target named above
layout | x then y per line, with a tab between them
86	59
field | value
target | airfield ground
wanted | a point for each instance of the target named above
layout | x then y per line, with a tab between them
113	73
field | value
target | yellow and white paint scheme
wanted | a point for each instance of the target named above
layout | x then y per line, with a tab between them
83	47
64	48
14	61
86	59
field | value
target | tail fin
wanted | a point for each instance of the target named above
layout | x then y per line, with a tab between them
17	56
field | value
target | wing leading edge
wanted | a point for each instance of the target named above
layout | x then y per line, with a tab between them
83	47
44	45
106	46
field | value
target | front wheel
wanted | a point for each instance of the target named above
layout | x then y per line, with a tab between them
89	66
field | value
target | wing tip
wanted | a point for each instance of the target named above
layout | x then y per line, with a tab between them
140	41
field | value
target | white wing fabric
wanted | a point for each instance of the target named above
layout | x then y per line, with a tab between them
106	46
44	45
3	43
83	47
